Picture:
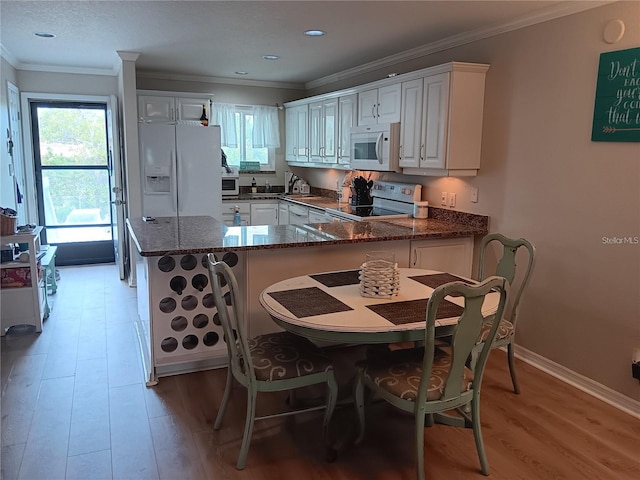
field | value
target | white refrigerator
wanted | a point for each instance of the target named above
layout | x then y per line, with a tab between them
180	168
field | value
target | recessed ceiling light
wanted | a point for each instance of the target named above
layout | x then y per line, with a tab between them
44	35
314	33
270	57
242	73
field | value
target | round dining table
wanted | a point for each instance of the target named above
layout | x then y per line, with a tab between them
328	306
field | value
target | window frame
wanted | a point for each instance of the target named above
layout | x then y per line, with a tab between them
243	111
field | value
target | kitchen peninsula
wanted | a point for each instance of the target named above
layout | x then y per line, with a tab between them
177	325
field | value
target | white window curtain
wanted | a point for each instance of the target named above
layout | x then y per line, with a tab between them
266	131
226	118
266	126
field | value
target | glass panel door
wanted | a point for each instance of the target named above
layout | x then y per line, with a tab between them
73	181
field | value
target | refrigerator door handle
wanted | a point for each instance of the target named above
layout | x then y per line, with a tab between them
174	186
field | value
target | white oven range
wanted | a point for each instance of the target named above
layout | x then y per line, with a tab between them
390	200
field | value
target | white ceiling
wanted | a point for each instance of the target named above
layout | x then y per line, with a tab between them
218	38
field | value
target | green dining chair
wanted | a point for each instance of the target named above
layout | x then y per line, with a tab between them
271	362
507	268
435	379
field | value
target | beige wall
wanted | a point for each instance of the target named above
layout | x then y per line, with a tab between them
542	178
66	83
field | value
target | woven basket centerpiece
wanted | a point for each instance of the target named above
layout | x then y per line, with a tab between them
379	276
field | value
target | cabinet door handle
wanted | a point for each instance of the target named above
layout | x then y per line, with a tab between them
422	152
400	154
415	256
373	110
378	110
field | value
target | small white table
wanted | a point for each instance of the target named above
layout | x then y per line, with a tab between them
308	307
23	304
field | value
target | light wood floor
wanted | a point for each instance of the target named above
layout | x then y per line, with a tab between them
74	406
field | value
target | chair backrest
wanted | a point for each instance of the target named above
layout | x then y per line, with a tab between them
229	310
465	337
507	266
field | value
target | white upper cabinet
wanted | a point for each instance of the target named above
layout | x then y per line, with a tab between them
411	123
424	122
171	109
297	134
190	109
347	113
441	127
379	105
315	132
156	109
323	131
290	137
440	111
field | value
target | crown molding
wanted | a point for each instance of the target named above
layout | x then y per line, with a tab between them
128	56
559	10
219	80
59	69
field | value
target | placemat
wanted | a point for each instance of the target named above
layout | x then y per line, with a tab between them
308	302
437	279
412	311
338	279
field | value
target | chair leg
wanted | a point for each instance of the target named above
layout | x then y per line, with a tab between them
332	398
420	418
429	420
477	434
358	395
248	427
512	368
225	400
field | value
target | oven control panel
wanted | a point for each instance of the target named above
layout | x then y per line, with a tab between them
401	192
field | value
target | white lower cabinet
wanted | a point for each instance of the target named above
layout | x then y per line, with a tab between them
283	213
228	212
451	255
317	216
263	213
298	215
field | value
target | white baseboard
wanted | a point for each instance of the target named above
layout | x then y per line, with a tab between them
606	394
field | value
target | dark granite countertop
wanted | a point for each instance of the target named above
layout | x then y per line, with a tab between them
191	235
316	201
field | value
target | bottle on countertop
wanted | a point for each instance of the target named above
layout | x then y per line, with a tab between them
203	118
254	185
237	219
267	187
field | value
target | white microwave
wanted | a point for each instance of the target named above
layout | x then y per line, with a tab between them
375	147
230	182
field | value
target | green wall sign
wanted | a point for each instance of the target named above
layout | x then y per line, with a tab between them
616	115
